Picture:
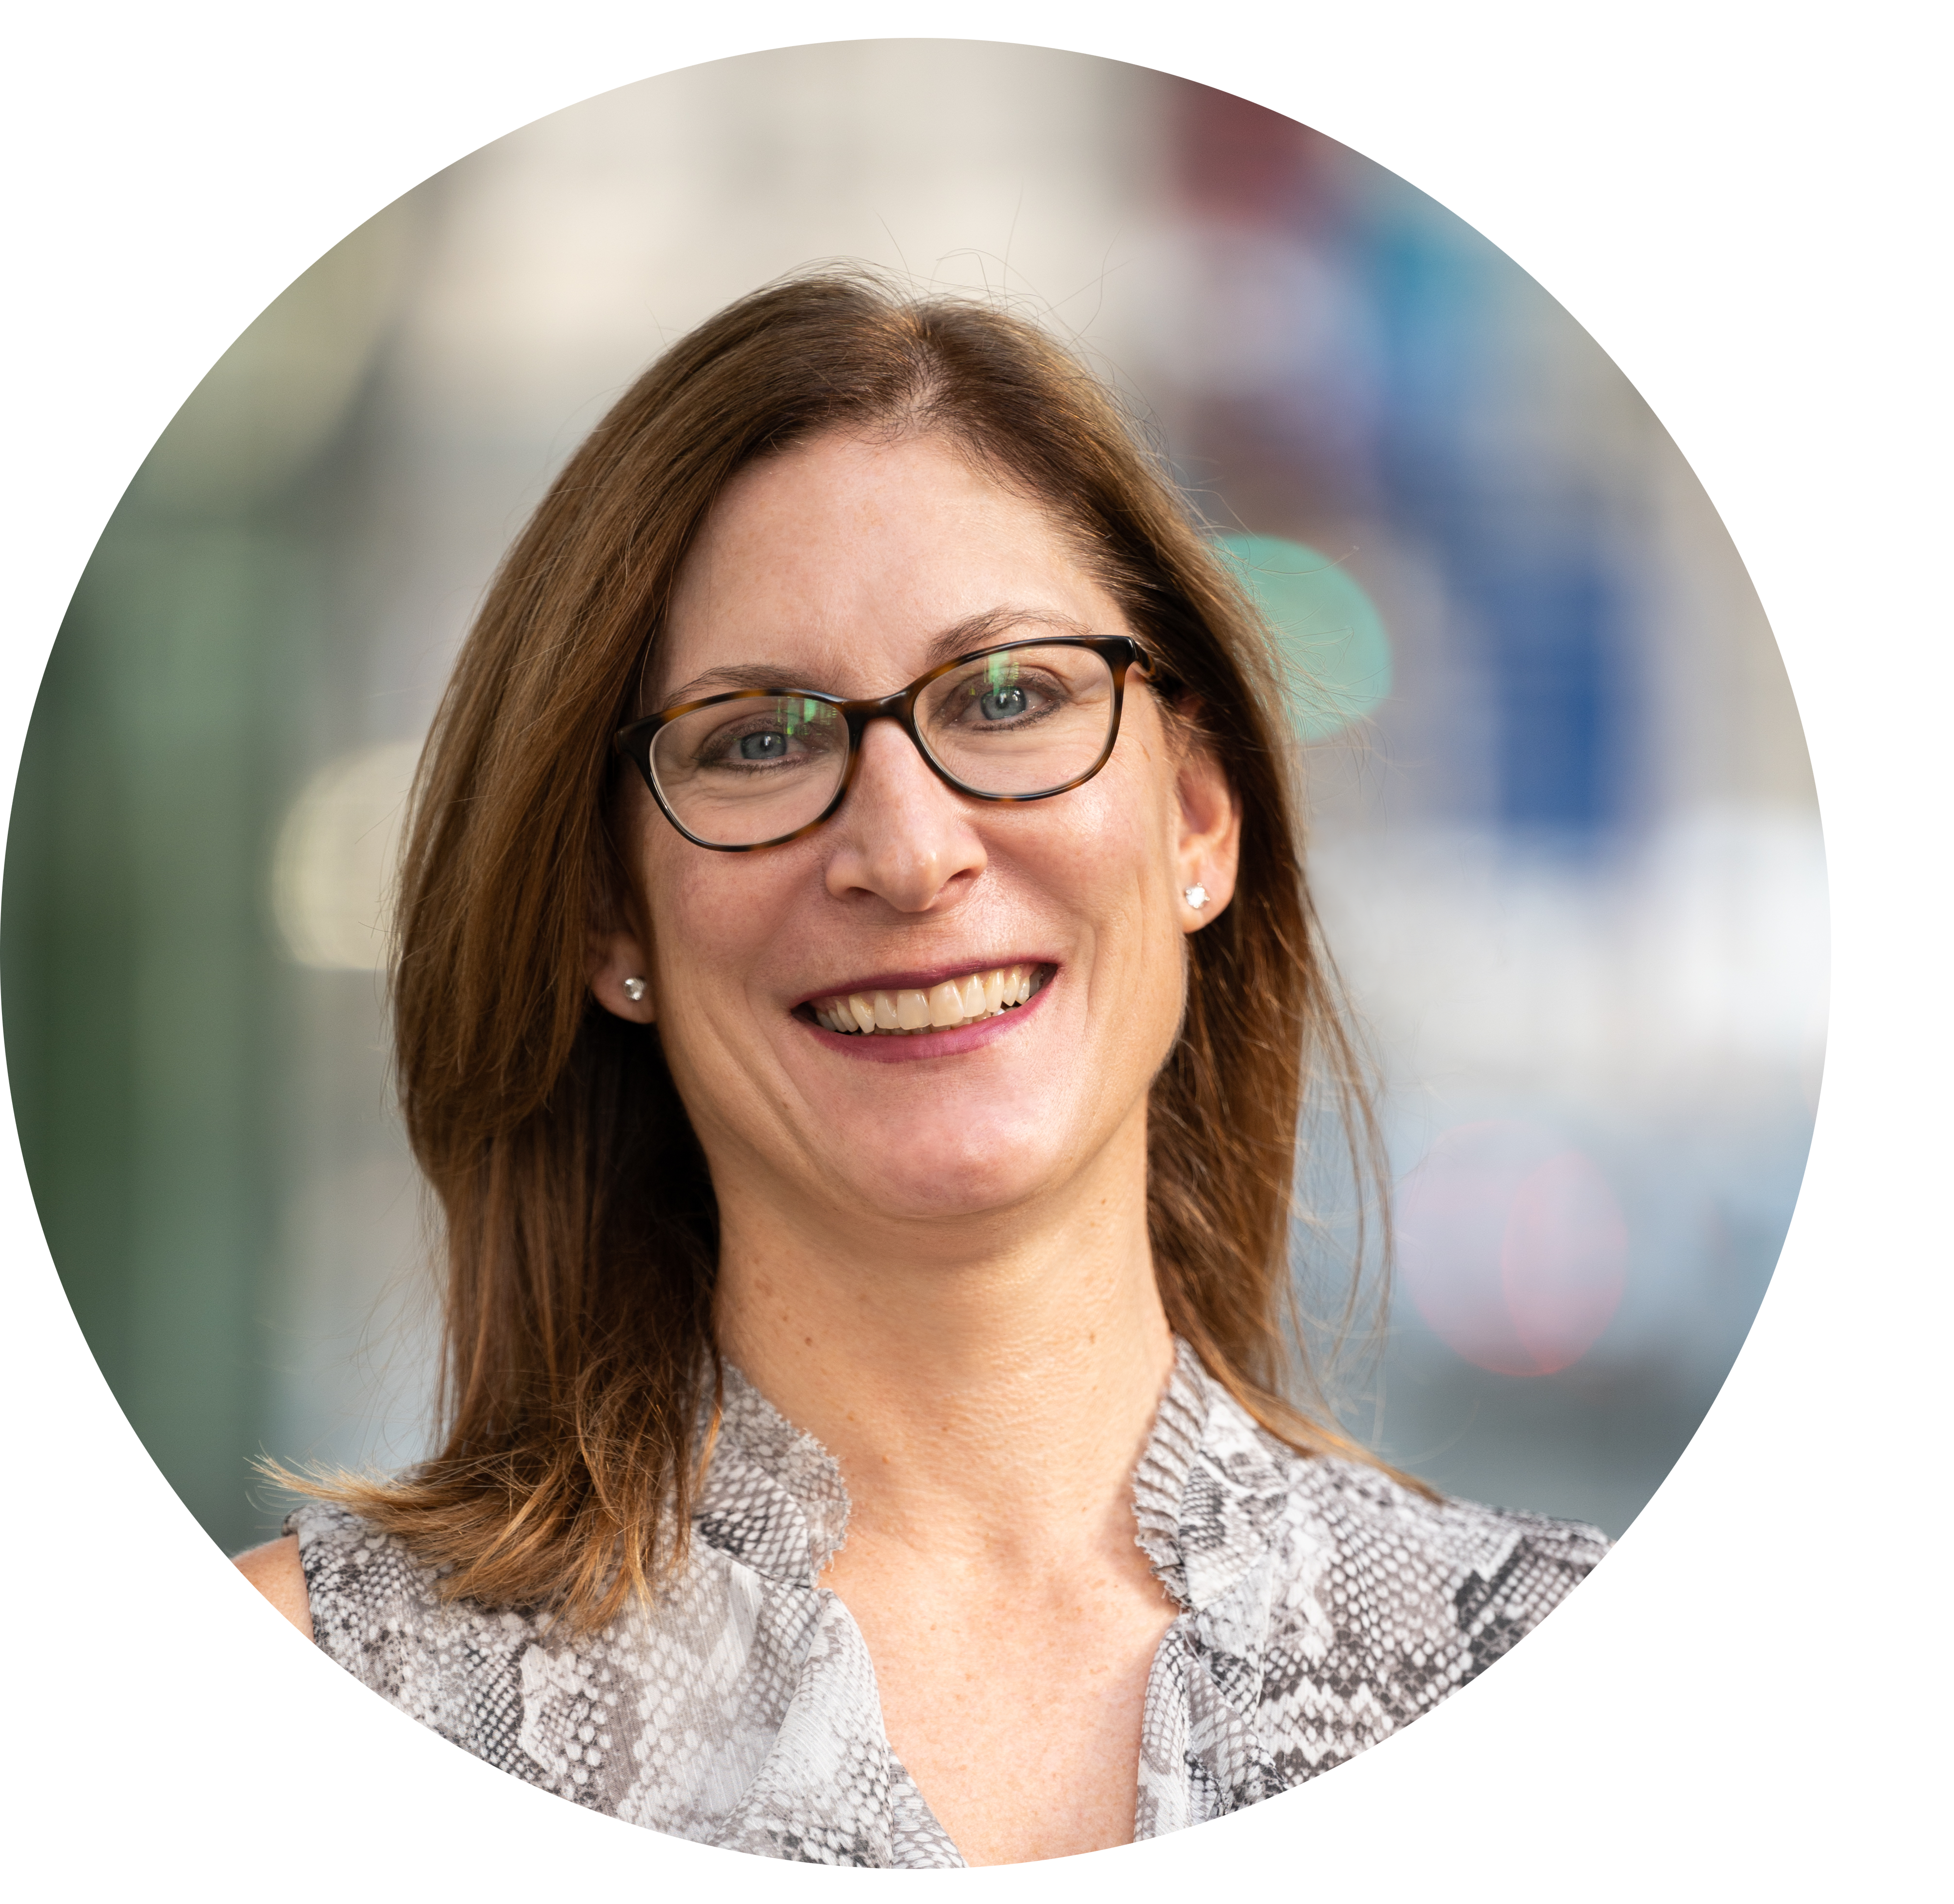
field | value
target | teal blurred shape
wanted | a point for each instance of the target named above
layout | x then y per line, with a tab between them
1336	658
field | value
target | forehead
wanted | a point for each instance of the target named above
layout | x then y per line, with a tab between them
845	558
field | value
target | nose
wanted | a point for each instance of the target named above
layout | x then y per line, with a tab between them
901	834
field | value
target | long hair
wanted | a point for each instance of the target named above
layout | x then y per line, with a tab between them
581	1231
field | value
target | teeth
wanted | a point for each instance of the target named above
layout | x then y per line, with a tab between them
956	1001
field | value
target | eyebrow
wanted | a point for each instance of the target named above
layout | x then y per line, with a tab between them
973	632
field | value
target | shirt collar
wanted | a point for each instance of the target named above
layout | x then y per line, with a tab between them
772	1495
1206	1492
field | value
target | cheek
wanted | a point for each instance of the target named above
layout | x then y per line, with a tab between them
712	915
1117	834
1111	862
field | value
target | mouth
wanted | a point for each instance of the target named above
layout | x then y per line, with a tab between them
918	1011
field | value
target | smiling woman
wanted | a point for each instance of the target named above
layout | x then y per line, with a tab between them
866	1118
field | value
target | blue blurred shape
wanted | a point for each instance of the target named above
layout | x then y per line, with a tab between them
1553	648
1336	658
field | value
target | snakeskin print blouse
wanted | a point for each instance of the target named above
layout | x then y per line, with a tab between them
1323	1606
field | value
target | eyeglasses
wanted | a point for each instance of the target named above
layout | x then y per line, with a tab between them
761	766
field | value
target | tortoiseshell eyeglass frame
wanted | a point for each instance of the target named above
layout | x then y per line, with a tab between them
1120	653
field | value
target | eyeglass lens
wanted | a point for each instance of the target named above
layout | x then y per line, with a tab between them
1027	721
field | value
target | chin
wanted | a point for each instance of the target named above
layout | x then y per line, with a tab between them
942	1168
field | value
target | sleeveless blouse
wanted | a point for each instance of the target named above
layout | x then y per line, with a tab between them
1322	1607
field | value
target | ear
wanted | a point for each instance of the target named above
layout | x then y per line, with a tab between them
1207	839
615	957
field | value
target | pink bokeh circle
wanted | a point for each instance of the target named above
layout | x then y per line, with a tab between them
1512	1246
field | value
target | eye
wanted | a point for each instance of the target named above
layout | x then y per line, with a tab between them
751	732
1003	703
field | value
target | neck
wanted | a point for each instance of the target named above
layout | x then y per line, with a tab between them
987	1389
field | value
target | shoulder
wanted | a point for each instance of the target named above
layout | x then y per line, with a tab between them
1496	1572
277	1573
352	1572
382	1612
1350	1603
1357	1493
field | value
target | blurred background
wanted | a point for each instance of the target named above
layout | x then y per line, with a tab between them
1570	863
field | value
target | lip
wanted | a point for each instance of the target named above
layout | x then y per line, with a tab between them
921	981
952	1043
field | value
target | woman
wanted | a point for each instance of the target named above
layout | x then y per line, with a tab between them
865	1116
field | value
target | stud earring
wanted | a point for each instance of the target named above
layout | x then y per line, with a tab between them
1196	897
634	989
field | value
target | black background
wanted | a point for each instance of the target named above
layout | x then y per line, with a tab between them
177	186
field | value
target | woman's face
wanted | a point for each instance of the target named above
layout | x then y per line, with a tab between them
844	565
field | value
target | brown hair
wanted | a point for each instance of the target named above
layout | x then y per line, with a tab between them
581	1229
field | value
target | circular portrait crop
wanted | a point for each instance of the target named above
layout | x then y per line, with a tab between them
917	951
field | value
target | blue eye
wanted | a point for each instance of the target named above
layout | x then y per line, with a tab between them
762	746
1003	703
